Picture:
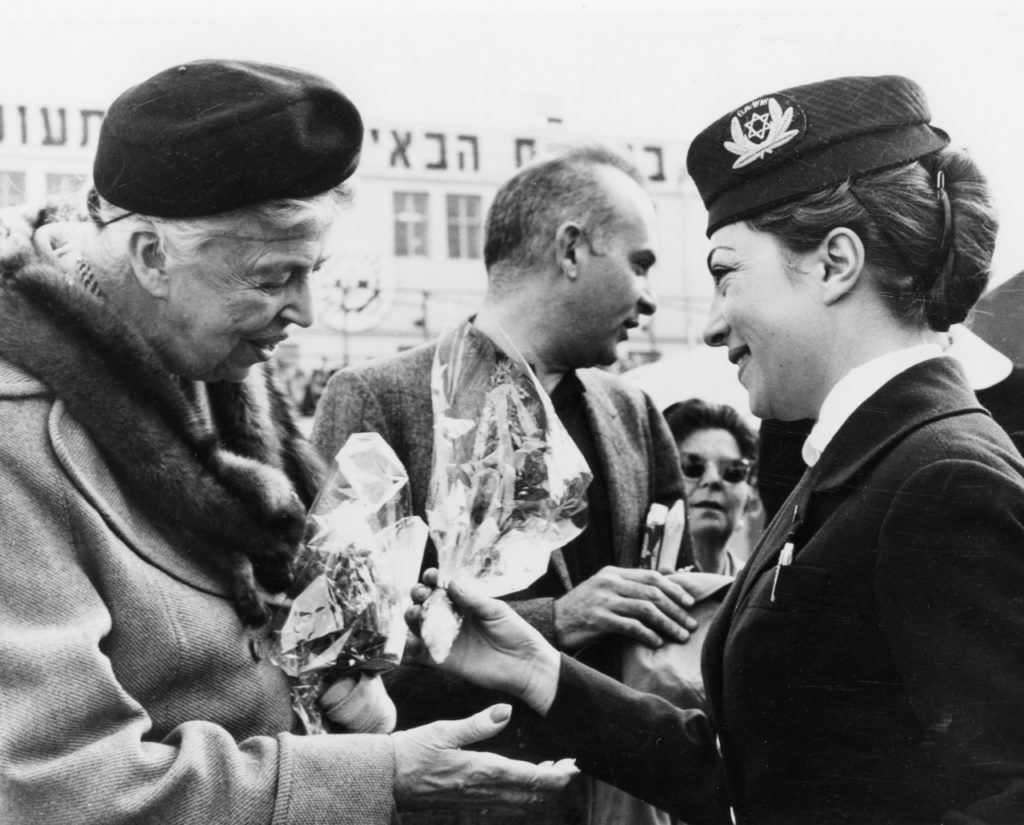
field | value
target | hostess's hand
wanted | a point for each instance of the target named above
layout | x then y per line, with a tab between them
431	770
360	704
642	605
495	648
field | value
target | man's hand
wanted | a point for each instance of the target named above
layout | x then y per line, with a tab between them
641	605
431	770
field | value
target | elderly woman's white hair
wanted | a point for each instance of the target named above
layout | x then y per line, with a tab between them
182	239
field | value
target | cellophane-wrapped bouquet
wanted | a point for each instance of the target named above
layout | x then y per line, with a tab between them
508	485
360	558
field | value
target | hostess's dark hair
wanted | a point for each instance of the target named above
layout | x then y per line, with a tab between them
931	274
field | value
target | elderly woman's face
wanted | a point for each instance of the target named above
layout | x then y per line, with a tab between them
230	307
766	310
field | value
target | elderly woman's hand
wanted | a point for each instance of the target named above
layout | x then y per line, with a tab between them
431	770
495	648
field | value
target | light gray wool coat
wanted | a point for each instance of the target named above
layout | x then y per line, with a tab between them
129	689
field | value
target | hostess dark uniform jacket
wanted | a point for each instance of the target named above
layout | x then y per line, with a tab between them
878	678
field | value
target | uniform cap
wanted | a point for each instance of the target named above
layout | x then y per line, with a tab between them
779	147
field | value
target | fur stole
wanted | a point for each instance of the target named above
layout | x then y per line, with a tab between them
236	493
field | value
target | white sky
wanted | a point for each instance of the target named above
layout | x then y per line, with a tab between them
663	69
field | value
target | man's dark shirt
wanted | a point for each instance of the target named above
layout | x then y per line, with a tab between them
592	549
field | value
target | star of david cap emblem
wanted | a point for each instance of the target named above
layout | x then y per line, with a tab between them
761	127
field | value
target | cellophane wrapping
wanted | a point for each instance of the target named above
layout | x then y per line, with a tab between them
361	556
508	484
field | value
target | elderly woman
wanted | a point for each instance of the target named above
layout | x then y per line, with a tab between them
154	485
868	664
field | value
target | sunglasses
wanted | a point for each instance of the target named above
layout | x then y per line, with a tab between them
734	471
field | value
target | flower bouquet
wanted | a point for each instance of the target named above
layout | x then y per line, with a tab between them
508	485
360	558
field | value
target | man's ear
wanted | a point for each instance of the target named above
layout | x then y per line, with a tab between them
148	263
841	254
567	242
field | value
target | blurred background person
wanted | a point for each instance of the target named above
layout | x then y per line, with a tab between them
718	453
718	458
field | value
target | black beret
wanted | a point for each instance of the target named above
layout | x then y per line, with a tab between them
214	135
781	146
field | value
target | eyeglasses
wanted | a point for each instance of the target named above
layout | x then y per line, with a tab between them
734	471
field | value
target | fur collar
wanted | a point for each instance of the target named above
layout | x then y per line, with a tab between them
236	492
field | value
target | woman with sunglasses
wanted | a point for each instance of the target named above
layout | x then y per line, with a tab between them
717	454
867	666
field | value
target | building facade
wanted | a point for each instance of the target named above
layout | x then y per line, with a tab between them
408	257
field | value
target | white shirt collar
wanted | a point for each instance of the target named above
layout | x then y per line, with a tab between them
856	387
983	365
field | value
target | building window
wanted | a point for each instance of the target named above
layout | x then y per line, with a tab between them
464	226
12	188
61	186
411	224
